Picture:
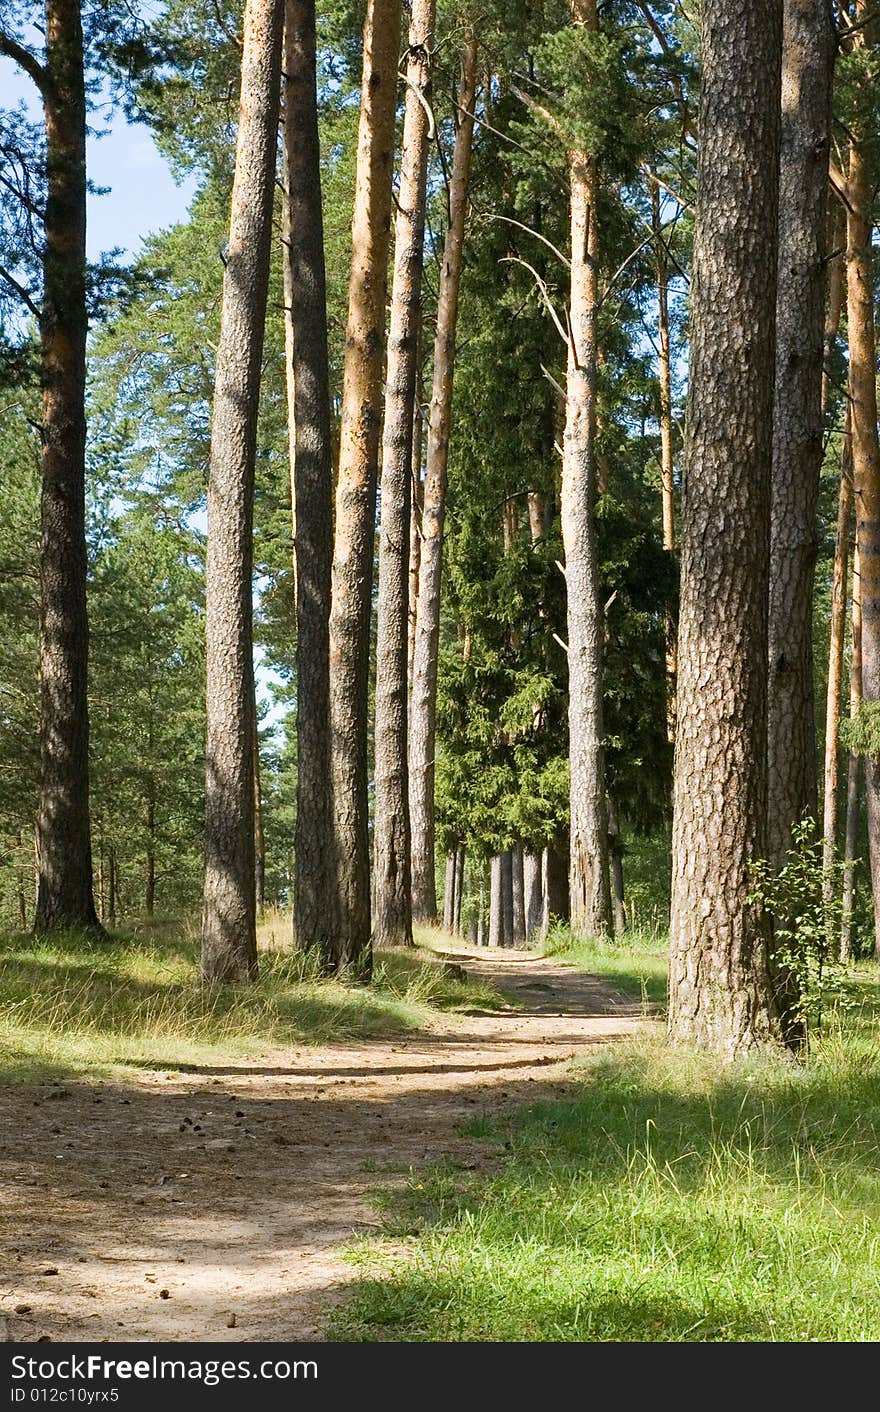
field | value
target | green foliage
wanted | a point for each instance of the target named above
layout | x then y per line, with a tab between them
861	733
593	78
803	899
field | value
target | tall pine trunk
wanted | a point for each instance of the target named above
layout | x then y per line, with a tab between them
719	984
588	863
519	895
150	885
496	902
356	486
836	638
423	706
865	443
64	852
259	830
807	68
534	895
415	550
507	937
853	770
391	827
311	455
229	947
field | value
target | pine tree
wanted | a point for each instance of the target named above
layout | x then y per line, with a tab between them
391	830
423	706
719	986
229	949
808	54
64	857
312	481
356	485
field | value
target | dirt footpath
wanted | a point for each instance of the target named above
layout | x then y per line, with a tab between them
213	1204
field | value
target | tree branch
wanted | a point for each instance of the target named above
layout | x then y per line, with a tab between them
541	286
508	220
538	108
25	60
21	292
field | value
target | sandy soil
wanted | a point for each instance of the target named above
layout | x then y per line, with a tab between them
213	1204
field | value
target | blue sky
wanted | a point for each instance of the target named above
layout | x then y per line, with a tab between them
143	195
143	198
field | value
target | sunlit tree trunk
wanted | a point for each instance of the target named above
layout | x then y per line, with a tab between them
496	903
229	947
423	705
835	654
807	68
356	485
311	466
391	826
459	888
64	853
863	405
853	771
449	892
259	831
534	895
720	995
588	862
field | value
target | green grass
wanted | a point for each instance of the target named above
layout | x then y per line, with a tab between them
635	963
72	1005
671	1199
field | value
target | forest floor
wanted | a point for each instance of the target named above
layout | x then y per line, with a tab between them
216	1201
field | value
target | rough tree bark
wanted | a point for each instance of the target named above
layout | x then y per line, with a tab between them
807	68
311	457
459	889
423	705
835	654
64	852
496	903
391	828
259	831
449	892
534	895
356	485
720	995
415	553
150	884
836	227
229	947
854	768
588	863
519	895
507	898
863	407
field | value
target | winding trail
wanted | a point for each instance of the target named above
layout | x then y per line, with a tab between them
213	1204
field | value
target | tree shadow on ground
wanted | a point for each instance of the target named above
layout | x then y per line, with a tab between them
664	1200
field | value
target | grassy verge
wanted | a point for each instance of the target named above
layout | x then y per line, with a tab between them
670	1200
635	963
72	1005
